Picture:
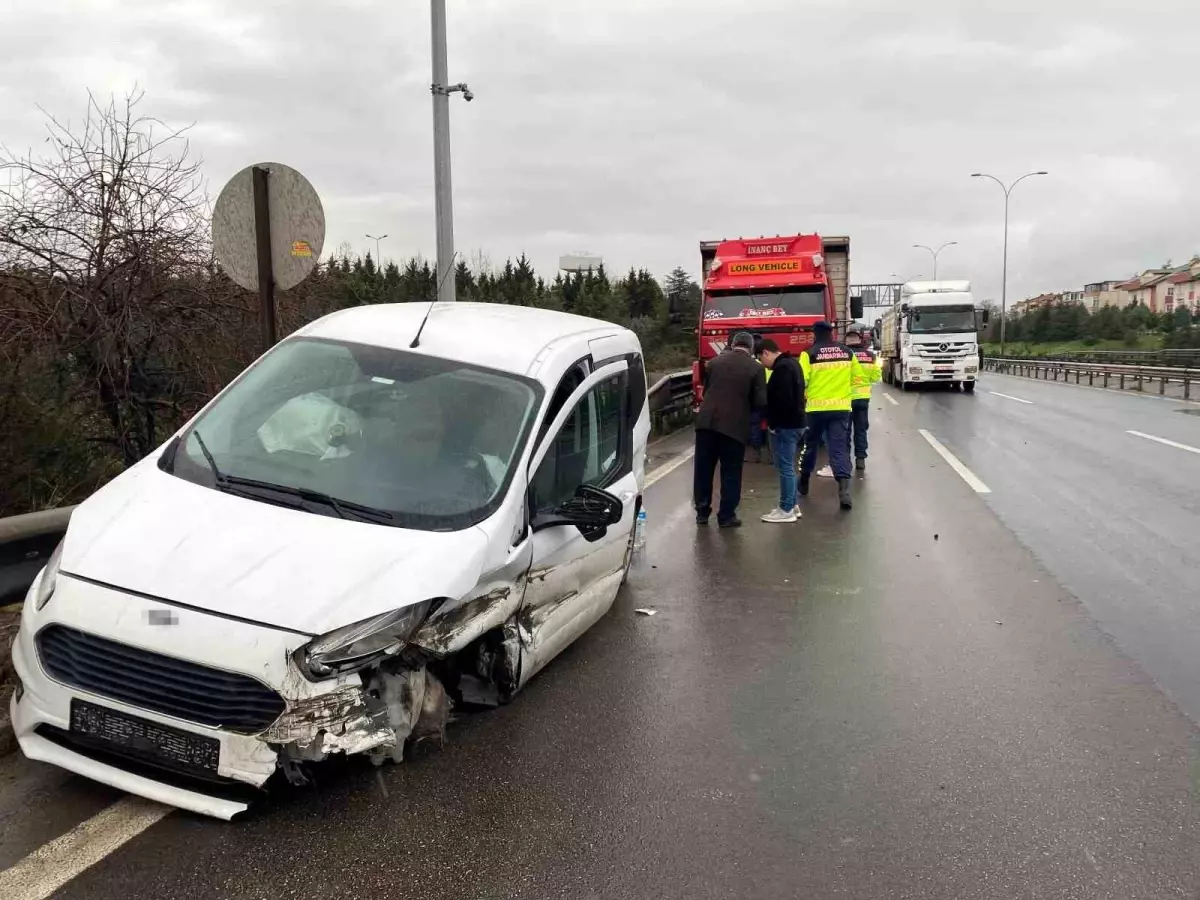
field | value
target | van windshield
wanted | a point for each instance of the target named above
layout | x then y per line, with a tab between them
429	443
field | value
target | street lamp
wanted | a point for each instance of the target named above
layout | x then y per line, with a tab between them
378	259
442	197
1008	189
935	253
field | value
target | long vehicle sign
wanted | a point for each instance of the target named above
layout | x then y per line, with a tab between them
764	267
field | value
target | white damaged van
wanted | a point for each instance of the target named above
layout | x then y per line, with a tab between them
362	529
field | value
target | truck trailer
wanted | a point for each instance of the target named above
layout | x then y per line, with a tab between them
772	287
931	335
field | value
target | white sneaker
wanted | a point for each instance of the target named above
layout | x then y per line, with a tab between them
825	472
777	516
796	510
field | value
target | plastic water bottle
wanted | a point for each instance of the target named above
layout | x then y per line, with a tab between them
639	531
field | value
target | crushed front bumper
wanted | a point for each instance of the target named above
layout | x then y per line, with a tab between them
318	718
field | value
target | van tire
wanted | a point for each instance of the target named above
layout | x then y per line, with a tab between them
969	387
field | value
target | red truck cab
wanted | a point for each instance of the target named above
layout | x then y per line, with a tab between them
772	287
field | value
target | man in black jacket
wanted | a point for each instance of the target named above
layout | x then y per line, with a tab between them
734	386
785	418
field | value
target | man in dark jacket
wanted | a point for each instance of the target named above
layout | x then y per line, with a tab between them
734	386
785	419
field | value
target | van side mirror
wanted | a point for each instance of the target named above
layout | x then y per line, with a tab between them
591	510
986	315
856	307
904	308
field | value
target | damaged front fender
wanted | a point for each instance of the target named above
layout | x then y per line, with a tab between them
494	602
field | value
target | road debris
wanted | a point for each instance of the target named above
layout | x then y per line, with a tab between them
645	611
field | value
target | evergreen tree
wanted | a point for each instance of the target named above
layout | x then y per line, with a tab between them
464	281
683	297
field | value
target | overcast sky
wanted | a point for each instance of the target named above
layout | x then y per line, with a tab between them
635	128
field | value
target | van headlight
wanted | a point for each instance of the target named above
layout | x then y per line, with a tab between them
362	644
48	580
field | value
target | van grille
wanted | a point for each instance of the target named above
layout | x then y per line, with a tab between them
162	684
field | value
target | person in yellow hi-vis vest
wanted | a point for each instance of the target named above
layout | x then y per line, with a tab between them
830	371
860	398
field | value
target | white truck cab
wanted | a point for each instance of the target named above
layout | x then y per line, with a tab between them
931	336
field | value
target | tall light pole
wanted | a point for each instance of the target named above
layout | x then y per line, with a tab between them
935	253
378	259
1008	189
443	203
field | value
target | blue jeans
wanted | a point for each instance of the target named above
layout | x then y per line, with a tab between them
784	444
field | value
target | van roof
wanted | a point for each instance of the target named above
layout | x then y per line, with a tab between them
493	335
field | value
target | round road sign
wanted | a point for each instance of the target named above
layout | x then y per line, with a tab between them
297	227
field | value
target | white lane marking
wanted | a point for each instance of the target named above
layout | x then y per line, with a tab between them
1010	397
890	399
52	865
667	468
1174	444
966	474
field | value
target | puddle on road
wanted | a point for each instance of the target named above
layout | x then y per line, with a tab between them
1189	412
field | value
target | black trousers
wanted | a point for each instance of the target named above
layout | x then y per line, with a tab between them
713	448
835	428
859	423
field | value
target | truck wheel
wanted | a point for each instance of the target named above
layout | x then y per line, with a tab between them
969	387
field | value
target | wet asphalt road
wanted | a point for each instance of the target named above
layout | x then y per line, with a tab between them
1114	516
898	702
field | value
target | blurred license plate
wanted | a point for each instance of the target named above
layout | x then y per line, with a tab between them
144	739
943	368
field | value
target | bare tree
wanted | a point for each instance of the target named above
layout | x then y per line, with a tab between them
106	256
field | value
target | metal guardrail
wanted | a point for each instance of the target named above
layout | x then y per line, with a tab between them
1163	358
25	543
670	399
1106	374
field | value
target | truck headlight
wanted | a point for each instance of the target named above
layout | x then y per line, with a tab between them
357	646
971	370
48	580
916	370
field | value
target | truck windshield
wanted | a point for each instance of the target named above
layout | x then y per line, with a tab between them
802	300
426	443
942	320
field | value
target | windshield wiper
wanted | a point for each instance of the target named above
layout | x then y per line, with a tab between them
208	457
341	507
236	484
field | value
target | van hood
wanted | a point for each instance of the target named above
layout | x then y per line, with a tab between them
152	533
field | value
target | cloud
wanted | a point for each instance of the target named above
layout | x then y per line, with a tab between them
634	129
